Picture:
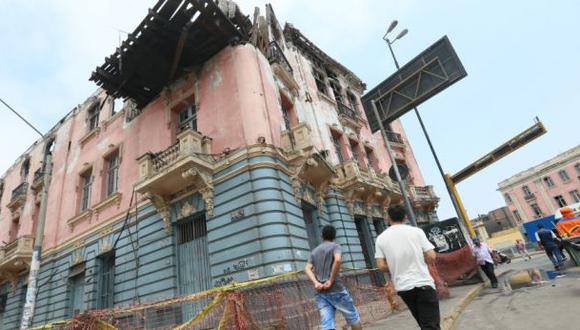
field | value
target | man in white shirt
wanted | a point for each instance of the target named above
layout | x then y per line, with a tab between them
404	251
483	255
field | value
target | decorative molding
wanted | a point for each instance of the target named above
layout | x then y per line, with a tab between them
207	195
162	206
89	136
85	215
113	199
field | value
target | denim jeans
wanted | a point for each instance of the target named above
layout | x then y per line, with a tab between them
555	255
329	302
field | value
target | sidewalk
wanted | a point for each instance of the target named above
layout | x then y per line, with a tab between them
448	307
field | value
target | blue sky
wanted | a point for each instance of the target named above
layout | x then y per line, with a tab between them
522	59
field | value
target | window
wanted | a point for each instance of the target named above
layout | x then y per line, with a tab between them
93	117
113	173
24	170
337	148
575	196
548	181
537	211
188	118
86	183
564	176
106	280
370	158
507	197
3	300
527	191
379	225
320	81
353	149
76	294
352	99
336	90
517	216
560	200
310	216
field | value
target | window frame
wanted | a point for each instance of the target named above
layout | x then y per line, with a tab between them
527	191
106	280
564	176
517	215
549	182
507	198
86	185
112	183
560	200
190	121
537	210
93	115
575	194
337	143
321	81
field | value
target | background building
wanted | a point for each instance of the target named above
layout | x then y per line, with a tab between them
223	164
497	220
541	190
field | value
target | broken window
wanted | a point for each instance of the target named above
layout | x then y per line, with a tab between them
337	147
93	117
320	81
187	118
86	183
336	90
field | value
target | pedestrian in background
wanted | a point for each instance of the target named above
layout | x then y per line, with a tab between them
322	269
521	247
549	242
404	251
483	255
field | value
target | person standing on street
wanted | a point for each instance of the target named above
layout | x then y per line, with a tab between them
548	240
521	247
404	251
322	269
483	255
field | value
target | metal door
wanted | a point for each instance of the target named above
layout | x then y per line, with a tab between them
77	290
192	261
366	241
311	222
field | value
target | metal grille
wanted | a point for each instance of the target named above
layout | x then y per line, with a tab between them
76	299
379	225
106	280
365	239
311	226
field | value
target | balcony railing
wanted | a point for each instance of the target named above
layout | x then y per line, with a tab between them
297	138
18	196
394	137
165	158
423	194
38	180
343	109
276	55
15	256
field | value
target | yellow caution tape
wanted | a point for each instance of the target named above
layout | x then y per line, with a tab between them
202	313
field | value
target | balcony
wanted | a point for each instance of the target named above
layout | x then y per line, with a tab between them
187	162
424	196
281	67
15	257
362	184
38	180
297	140
348	117
529	196
18	196
276	55
396	139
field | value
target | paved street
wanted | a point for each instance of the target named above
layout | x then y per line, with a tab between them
551	305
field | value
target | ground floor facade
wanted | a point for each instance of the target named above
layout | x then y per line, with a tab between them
260	223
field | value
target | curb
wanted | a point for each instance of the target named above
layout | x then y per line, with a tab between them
449	318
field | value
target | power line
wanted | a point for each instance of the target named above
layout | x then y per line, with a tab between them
19	116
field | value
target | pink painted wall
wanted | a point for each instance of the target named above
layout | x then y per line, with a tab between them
545	199
237	103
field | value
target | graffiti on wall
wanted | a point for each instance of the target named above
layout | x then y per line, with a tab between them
445	235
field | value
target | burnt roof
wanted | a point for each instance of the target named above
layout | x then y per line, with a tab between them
299	40
175	35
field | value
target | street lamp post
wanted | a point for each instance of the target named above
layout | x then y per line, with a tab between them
390	43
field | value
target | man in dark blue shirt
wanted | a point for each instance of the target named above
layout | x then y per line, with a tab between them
548	240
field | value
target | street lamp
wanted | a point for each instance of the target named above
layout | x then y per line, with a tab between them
389	43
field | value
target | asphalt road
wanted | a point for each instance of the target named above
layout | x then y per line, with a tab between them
553	304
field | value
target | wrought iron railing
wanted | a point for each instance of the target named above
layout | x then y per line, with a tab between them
394	137
20	190
276	55
166	157
343	109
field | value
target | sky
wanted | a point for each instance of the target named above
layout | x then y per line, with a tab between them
522	59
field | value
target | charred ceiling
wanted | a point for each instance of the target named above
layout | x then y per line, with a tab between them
175	36
296	37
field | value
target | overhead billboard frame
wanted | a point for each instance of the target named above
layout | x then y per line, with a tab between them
430	72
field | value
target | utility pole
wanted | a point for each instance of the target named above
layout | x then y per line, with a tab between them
30	303
406	199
